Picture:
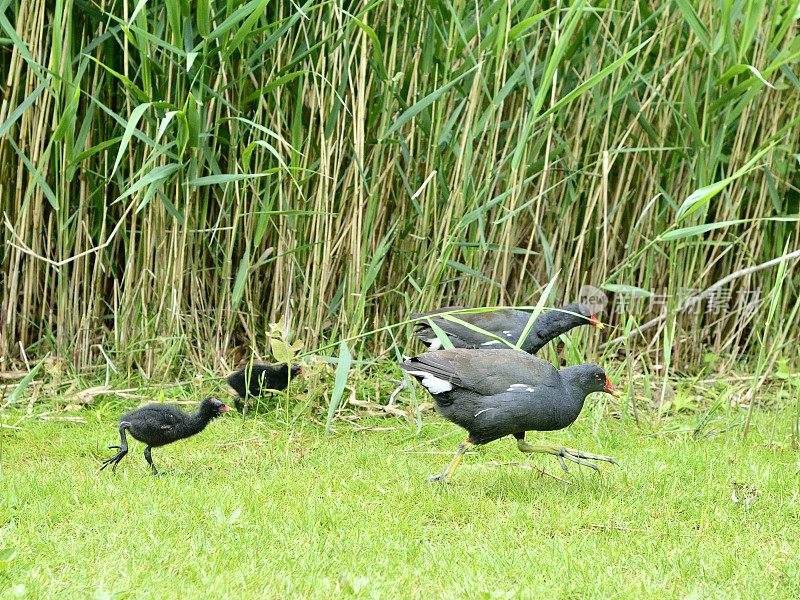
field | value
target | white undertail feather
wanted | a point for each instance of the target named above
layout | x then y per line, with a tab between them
434	343
433	384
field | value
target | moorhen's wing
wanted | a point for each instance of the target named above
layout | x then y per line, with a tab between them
161	418
424	332
525	408
504	322
486	372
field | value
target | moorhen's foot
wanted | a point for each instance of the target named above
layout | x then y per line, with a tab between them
113	461
579	457
561	452
117	447
401	385
562	463
462	448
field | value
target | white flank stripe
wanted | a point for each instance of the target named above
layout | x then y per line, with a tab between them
492	343
519	387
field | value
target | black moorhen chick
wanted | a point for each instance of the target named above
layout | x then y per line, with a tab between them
160	424
255	380
504	323
494	393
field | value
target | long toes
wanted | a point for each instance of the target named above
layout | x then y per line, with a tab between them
563	464
598	457
569	456
434	478
589	456
117	447
110	461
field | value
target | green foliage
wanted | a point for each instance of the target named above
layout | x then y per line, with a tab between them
175	176
342	371
263	509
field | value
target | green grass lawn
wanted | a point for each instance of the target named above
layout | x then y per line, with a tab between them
262	510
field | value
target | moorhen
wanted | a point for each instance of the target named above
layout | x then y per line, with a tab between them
160	424
504	323
494	393
257	379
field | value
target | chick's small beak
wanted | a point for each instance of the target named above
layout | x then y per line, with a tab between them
610	389
225	408
596	322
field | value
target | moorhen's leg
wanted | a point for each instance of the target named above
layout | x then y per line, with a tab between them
401	385
149	459
562	452
123	449
526	447
462	448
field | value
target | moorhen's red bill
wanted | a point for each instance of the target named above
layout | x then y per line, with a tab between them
506	323
494	393
161	424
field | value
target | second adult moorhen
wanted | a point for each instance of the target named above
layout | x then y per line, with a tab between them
494	393
505	323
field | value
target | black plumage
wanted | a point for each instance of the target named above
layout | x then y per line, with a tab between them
255	380
494	393
505	323
160	424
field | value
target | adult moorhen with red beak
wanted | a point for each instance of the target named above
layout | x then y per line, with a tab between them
161	424
494	393
505	323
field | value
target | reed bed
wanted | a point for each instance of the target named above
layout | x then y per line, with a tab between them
175	176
